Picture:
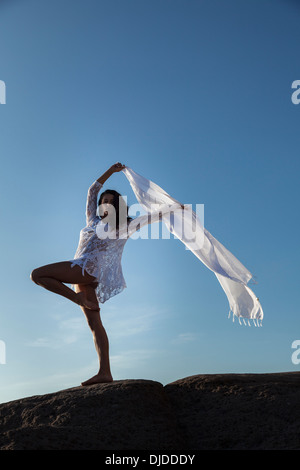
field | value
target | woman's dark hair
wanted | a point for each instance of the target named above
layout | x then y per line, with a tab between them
118	203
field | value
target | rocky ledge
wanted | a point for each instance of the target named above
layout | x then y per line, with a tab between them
202	412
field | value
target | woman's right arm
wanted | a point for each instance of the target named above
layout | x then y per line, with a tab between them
91	203
113	169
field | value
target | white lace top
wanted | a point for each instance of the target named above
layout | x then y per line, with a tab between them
102	257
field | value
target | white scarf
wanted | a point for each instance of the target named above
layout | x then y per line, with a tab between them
231	274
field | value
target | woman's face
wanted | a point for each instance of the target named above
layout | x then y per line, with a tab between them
106	201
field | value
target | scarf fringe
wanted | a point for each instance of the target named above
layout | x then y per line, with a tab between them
256	322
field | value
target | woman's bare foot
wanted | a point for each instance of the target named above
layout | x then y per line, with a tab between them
98	379
84	302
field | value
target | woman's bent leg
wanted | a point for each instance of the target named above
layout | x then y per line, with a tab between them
52	277
99	335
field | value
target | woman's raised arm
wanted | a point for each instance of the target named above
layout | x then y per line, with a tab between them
91	203
113	169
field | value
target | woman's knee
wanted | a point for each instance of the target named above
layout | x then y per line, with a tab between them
35	275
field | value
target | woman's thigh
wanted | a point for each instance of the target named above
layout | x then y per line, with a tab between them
63	272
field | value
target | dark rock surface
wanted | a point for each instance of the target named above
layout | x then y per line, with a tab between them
127	414
202	412
238	411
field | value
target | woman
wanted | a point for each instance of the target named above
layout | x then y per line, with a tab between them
95	273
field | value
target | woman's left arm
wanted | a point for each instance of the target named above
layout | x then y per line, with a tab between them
152	217
147	219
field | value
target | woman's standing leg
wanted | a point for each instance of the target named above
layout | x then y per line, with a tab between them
99	335
52	277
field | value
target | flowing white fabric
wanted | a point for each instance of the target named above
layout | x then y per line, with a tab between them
188	228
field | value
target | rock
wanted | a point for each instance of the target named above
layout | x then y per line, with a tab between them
238	411
127	414
226	411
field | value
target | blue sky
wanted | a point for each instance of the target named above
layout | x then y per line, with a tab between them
194	95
